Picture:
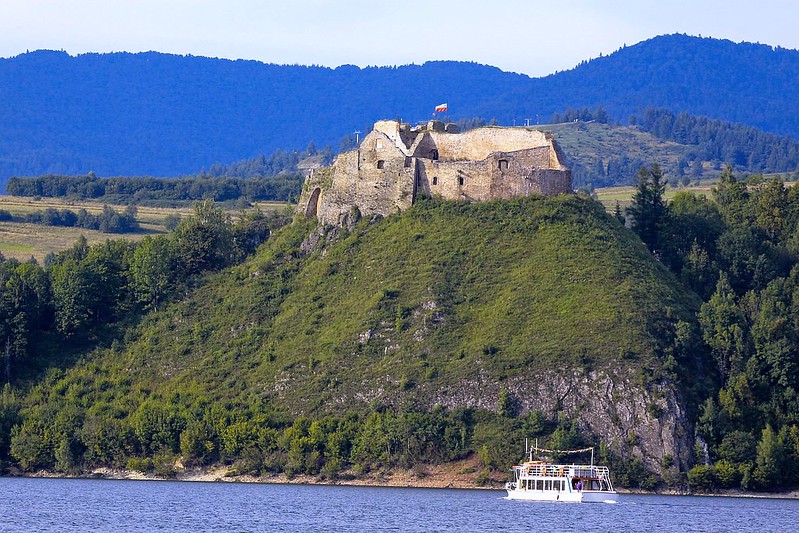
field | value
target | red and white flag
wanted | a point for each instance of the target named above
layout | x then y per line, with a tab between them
441	108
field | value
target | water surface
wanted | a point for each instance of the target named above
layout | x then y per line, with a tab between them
35	504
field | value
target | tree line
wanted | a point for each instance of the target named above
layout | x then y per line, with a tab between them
738	250
59	434
159	191
109	221
743	147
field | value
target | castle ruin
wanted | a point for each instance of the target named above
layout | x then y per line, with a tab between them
396	163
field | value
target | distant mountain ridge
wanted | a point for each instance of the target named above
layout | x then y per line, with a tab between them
165	115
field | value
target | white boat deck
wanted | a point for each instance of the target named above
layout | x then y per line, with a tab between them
542	481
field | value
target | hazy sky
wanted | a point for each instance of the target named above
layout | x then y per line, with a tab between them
535	37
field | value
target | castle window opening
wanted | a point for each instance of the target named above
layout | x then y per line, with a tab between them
407	161
503	164
435	180
313	204
434	155
460	180
380	163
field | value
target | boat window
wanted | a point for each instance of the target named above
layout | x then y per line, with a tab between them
539	484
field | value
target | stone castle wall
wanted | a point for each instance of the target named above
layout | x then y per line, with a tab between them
395	163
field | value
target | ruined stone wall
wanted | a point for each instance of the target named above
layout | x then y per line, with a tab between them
376	179
455	180
551	182
394	163
501	175
477	144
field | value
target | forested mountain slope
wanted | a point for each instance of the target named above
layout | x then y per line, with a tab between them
165	115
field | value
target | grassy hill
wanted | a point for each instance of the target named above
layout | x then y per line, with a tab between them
544	306
429	297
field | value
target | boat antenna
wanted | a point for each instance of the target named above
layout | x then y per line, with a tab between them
592	456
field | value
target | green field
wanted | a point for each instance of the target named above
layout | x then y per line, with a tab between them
22	240
624	195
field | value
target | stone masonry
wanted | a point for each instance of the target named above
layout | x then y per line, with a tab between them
395	164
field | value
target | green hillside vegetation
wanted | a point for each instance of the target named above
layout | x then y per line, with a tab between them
687	148
441	292
738	250
395	343
329	360
604	155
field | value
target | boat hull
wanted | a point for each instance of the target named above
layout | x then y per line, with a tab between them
585	496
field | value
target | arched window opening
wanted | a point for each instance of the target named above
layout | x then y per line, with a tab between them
313	204
380	163
434	154
435	180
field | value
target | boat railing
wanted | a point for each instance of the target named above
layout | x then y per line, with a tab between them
545	469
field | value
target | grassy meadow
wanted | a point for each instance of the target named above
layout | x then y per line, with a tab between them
22	240
608	196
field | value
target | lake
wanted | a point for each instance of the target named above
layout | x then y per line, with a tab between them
35	504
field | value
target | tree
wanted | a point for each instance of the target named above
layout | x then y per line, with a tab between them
151	270
648	210
770	462
204	241
732	198
771	206
723	328
74	295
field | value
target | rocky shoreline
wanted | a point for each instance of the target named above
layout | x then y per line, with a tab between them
434	476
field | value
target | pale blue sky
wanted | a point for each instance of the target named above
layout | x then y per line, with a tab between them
535	37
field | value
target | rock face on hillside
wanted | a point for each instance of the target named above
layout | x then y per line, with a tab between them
395	163
650	424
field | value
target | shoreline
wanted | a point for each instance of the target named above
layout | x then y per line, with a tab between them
400	478
438	479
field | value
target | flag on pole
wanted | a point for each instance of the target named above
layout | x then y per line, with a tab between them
441	108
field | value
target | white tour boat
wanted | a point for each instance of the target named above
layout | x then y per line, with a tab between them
542	481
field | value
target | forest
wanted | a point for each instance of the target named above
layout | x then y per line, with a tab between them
275	177
739	251
160	192
144	114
